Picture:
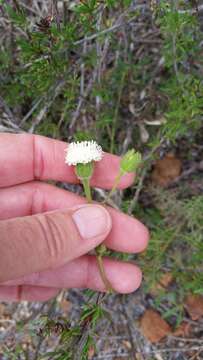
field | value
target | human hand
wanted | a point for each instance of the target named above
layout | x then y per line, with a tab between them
46	232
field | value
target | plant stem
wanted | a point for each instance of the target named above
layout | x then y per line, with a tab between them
106	282
116	182
113	132
86	185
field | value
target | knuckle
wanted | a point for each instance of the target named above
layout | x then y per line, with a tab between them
38	159
37	204
54	238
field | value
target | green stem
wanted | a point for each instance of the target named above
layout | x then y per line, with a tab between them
106	282
86	185
114	122
115	185
117	180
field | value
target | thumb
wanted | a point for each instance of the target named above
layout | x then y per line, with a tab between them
43	241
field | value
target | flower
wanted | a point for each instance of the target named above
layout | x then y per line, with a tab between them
83	152
130	161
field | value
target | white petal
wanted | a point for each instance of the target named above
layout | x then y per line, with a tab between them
83	152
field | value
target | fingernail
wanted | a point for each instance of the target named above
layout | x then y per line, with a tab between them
92	221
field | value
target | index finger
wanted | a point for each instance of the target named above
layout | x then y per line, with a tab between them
26	157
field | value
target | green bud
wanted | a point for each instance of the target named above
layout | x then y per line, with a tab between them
130	161
84	171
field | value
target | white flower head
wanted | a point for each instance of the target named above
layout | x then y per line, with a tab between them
83	152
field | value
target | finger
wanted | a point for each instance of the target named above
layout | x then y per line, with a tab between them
25	157
28	293
83	273
127	234
44	241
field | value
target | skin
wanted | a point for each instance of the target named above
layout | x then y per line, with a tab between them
28	272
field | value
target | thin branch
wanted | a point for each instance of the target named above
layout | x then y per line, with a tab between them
49	313
56	12
86	39
135	346
17	5
115	118
30	112
7	109
76	114
44	110
105	31
142	176
138	190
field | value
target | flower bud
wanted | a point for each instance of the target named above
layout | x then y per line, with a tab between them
130	161
84	171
